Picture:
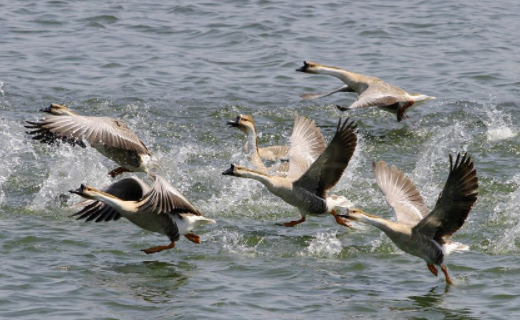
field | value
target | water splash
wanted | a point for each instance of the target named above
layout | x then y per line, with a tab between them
81	166
499	124
432	166
324	245
15	158
234	242
507	242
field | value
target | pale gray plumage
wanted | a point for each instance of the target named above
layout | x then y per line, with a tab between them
257	154
306	186
306	145
326	171
372	91
128	189
160	208
416	231
109	136
164	198
400	193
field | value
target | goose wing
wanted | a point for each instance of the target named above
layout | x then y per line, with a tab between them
379	94
326	171
400	193
164	198
273	153
129	189
313	96
454	203
96	130
307	144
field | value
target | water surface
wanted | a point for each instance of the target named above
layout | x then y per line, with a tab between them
175	72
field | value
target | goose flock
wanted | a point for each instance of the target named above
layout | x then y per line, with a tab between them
301	174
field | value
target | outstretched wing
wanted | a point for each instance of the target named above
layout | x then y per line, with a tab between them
164	198
313	96
378	94
326	171
129	189
400	193
454	203
95	130
307	144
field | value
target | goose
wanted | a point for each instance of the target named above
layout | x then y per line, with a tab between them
109	136
304	128
246	124
305	186
160	208
418	231
372	91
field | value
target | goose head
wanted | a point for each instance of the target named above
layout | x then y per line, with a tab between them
239	171
355	214
89	192
58	110
232	171
309	67
243	122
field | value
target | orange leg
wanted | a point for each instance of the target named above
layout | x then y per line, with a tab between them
432	269
402	110
340	220
159	248
292	223
192	237
445	271
118	171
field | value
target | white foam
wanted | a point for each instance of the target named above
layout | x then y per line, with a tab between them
500	134
324	245
499	124
432	166
233	242
68	168
509	210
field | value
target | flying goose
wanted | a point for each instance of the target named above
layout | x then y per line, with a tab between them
109	136
305	186
417	231
372	91
161	208
305	132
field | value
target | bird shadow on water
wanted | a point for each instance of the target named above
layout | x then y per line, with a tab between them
151	281
433	302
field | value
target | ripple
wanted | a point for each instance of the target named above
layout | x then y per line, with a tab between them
175	73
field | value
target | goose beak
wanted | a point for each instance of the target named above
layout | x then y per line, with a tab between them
230	171
78	191
48	110
304	68
345	214
234	123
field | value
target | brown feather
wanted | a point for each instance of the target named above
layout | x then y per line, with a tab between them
326	171
454	203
